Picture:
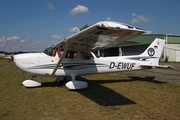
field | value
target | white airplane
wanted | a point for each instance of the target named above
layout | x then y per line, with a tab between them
73	56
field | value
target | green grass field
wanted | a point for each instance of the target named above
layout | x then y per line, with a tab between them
112	96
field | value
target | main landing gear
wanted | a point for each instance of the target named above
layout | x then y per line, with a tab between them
75	85
72	85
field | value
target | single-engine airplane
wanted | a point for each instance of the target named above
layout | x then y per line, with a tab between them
73	56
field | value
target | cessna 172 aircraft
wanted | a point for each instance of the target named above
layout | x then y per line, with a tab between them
73	56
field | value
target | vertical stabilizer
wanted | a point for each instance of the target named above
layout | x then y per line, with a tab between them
154	51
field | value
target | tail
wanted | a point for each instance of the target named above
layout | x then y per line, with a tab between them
153	53
150	57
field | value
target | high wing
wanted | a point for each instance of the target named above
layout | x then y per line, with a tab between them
101	35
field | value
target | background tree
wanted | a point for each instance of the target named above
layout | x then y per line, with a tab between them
84	27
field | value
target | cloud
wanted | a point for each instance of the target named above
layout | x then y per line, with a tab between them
78	9
139	18
13	38
12	43
108	18
15	43
2	39
50	6
22	40
56	37
74	29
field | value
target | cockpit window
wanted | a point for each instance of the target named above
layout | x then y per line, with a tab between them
51	51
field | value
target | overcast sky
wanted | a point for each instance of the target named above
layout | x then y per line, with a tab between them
27	25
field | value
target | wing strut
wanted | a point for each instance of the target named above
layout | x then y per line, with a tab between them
60	60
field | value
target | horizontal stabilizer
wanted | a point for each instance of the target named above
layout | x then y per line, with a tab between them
164	66
158	66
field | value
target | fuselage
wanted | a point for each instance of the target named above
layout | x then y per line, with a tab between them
43	64
74	62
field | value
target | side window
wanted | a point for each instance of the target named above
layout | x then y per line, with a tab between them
85	56
71	54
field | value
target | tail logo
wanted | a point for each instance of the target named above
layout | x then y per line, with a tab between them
151	51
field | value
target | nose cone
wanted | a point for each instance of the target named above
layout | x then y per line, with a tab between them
18	60
27	63
14	58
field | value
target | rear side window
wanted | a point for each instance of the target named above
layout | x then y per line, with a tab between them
71	54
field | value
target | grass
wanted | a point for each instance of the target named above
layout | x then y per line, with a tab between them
108	96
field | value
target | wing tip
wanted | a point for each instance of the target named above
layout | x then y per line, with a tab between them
119	25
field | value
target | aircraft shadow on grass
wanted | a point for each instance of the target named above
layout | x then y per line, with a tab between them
147	79
103	95
96	92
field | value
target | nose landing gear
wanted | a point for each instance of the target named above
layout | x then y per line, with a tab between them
32	82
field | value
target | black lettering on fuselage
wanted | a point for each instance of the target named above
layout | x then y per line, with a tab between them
121	65
112	64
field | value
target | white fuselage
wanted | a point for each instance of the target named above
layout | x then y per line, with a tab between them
42	64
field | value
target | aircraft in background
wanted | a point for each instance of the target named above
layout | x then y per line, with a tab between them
9	57
73	56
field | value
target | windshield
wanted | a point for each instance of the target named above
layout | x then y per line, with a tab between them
49	51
